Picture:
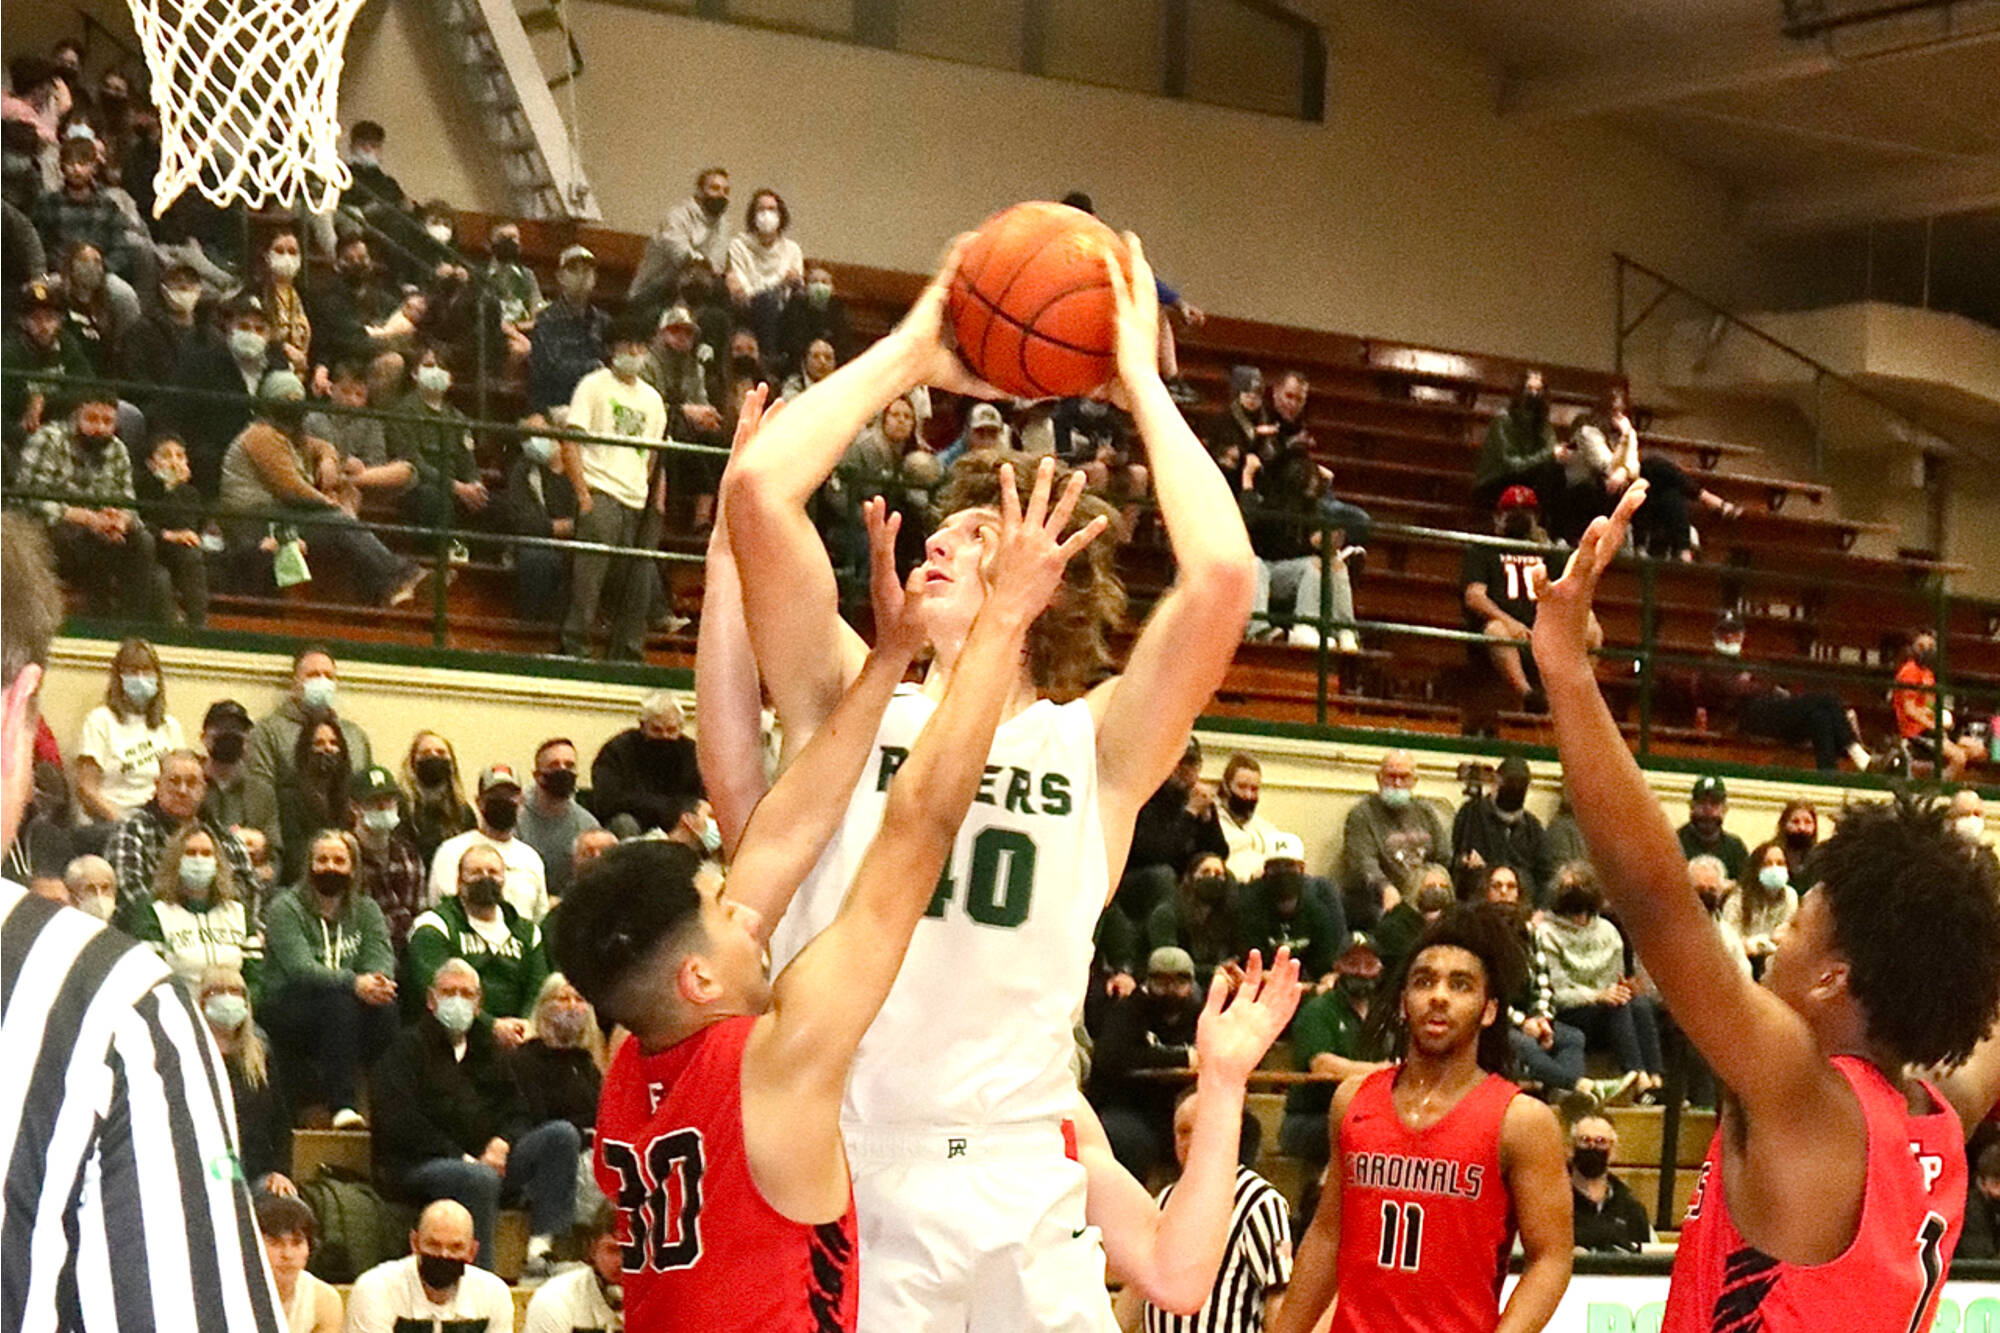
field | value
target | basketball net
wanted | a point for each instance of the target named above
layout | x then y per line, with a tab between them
247	94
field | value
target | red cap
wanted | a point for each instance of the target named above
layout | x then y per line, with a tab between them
1517	497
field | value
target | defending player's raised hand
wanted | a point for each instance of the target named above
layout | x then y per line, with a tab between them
1239	1024
924	334
898	603
1562	633
753	417
1029	552
1136	332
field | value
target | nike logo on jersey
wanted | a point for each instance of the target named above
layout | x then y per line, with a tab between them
1079	1233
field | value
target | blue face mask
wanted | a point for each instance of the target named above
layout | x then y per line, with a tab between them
456	1013
139	689
1773	877
317	693
197	873
1395	797
539	448
711	837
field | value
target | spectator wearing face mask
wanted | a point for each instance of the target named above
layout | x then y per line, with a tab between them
1608	1215
1704	835
475	922
696	229
226	382
101	546
138	842
1757	706
329	992
1915	703
391	869
176	513
1710	881
525	884
435	1285
90	886
1293	519
539	501
819	316
1277	910
1199	916
448	1122
1798	830
270	766
101	306
1250	836
196	917
559	1072
1331	1040
766	267
168	339
1175	826
1520	448
1968	818
514	288
317	797
263	1108
647	773
1761	902
568	341
551	820
1151	1028
1585	955
1498	593
288	1227
437	808
435	439
360	444
1499	830
1390	834
355	311
1396	934
118	755
284	307
590	1297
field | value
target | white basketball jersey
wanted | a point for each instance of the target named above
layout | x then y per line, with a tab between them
977	1029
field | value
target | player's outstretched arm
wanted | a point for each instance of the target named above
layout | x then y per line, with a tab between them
1186	645
1756	1043
1171	1255
795	1065
796	818
806	652
728	699
1536	1165
1316	1273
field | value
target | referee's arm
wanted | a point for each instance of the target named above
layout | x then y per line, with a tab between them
172	1215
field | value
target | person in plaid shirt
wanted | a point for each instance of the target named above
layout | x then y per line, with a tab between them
392	869
101	546
82	211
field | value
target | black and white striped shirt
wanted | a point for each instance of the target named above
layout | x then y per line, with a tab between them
123	1205
1257	1263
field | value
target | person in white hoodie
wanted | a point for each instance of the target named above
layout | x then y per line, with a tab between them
1592	992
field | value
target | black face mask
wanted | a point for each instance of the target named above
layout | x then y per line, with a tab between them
1710	902
1799	842
432	770
93	444
227	747
1520	524
1510	798
439	1273
714	205
559	783
506	249
1575	902
1357	987
1173	1016
286	414
1284	886
330	883
1707	827
744	365
1240	807
482	892
1210	889
1591	1163
499	812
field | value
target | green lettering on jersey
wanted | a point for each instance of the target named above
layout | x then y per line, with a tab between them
1002	879
892	759
1055	794
945	888
1020	792
985	796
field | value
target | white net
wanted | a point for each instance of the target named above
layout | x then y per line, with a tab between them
247	92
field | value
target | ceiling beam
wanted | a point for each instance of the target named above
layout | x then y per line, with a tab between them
1752	62
1931	189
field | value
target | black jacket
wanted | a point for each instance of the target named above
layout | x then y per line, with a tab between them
428	1105
1141	1031
555	1083
644	779
263	1121
1619	1224
528	514
1165	834
1521	843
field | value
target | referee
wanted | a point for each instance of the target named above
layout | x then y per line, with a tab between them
123	1206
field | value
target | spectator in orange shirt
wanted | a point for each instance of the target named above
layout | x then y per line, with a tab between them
1915	706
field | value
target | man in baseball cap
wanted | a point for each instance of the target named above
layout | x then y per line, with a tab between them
1152	1028
526	887
1703	834
985	428
1500	599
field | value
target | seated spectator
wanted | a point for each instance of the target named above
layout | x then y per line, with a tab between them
1562	835
169	340
391	869
816	365
317	797
766	267
1710	882
645	773
1585	955
223	382
1499	830
1243	430
1250	836
475	922
1388	837
289	1228
1175	825
525	881
551	819
1916	704
1499	595
1276	910
1757	706
360	444
90	886
539	501
101	547
1292	521
451	306
435	439
1968	820
1396	933
262	868
743	369
329	993
696	229
1549	1053
1289	394
872	466
284	308
39	341
1762	902
448	1124
1199	917
263	1111
273	465
1664	526
679	368
515	290
1602	459
1704	835
225	733
588	847
356	311
1608	1215
1520	448
1981	1237
1798	829
1151	1028
437	809
118	755
702	292
436	1285
101	307
196	917
176	513
374	193
588	1297
83	211
137	842
568	341
985	432
820	317
1331	1040
559	1072
274	741
621	503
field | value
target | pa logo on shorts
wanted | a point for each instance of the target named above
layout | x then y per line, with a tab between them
954	1148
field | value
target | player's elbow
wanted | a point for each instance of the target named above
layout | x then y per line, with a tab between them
1225	582
1181	1293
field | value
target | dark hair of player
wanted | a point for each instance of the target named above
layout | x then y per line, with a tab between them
1488	933
617	914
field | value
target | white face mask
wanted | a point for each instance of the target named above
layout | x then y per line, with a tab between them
629	364
99	905
576	283
284	267
247	344
433	379
1729	647
1969	827
439	232
766	220
182	299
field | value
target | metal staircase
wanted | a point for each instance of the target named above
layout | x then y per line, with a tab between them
504	80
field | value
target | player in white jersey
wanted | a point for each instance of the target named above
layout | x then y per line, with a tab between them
972	1205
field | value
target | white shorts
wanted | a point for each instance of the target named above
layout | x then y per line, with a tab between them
975	1231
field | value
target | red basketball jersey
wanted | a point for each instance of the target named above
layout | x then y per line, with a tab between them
1912	1206
703	1249
1426	1223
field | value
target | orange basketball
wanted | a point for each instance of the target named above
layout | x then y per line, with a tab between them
1031	304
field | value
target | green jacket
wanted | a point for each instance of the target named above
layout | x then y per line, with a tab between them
1516	443
300	943
1327	1024
510	972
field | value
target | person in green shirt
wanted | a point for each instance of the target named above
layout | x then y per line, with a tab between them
478	925
1330	1038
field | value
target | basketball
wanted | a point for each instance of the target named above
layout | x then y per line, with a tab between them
1031	305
